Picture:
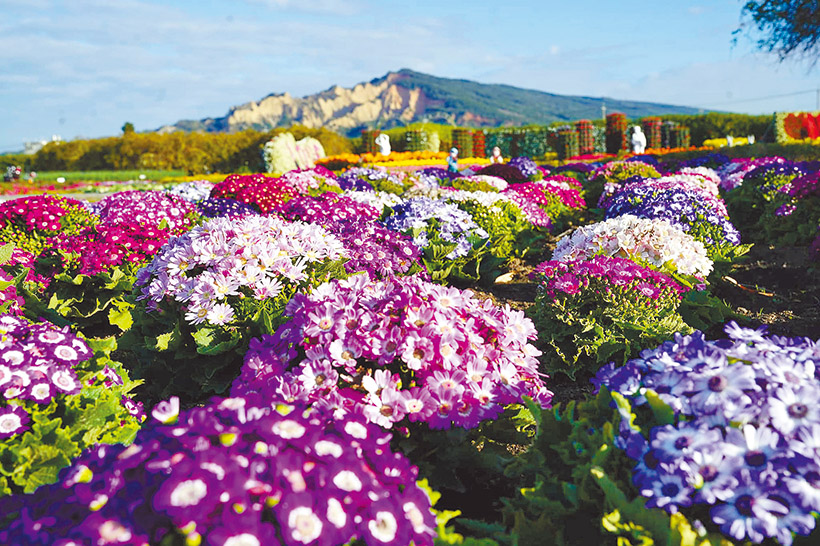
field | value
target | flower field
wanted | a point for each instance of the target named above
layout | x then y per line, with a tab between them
524	355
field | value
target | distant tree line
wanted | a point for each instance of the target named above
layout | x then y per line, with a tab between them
196	153
199	153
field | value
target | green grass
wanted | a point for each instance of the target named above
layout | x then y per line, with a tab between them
98	176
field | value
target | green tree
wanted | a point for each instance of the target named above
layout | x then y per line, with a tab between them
788	27
127	128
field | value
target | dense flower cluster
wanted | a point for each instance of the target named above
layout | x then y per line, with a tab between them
486	198
496	214
733	172
374	249
527	167
705	177
397	348
36	363
693	212
617	171
365	178
653	241
268	196
689	182
776	173
745	434
58	398
569	277
46	214
565	188
28	222
438	173
553	197
803	187
217	208
328	207
529	207
105	246
233	473
148	208
306	181
235	183
608	179
376	199
253	256
479	182
427	219
195	190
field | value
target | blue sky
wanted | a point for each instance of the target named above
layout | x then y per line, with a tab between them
81	68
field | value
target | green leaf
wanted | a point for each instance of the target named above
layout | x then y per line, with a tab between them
5	253
664	414
163	341
121	318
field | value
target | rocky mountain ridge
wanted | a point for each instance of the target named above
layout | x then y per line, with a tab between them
404	97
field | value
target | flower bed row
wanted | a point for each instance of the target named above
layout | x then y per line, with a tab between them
320	304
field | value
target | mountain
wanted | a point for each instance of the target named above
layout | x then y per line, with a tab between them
403	97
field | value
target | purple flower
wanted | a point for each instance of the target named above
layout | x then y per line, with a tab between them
235	472
668	491
166	411
13	421
794	408
673	443
750	514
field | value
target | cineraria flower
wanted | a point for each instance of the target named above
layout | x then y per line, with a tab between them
569	276
306	181
30	222
327	207
195	190
466	359
693	212
10	301
424	217
653	241
553	197
632	307
367	179
527	167
479	182
13	421
47	375
103	247
733	173
232	257
612	175
268	475
376	199
745	438
148	208
217	208
375	250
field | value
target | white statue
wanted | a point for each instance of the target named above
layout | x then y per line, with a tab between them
750	139
383	142
730	140
638	140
